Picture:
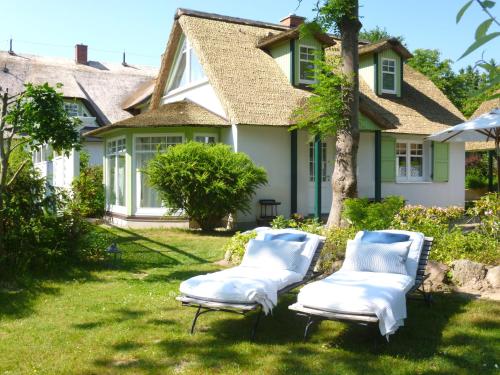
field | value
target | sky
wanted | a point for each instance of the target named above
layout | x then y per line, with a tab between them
141	28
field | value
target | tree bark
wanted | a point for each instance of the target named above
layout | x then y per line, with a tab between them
344	181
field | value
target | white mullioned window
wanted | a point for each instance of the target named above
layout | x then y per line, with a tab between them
205	138
307	55
42	154
389	76
324	175
115	158
146	148
187	69
72	109
409	161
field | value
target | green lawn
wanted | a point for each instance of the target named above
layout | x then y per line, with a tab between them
126	320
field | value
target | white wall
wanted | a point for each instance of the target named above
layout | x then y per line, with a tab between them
268	147
366	165
441	194
202	94
96	151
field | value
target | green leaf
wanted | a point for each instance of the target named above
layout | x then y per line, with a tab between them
482	29
494	96
488	4
479	42
462	10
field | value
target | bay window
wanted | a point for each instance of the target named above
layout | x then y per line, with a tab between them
146	148
202	138
115	158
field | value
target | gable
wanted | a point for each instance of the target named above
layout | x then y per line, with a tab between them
186	69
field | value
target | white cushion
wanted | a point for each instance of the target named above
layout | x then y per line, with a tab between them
311	244
346	291
417	244
376	257
275	254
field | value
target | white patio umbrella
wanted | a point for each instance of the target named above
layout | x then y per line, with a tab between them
481	129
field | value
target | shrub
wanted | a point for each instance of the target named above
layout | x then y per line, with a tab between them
311	225
487	210
363	214
207	182
88	190
335	245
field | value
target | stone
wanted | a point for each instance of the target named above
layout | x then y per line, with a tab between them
437	280
470	274
493	277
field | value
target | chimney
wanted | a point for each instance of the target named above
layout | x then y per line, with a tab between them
81	54
292	21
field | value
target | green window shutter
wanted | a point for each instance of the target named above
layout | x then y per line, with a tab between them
388	159
440	156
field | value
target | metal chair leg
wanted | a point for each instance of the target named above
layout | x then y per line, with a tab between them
254	328
198	313
310	322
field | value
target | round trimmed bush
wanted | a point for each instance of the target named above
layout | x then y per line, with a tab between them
207	182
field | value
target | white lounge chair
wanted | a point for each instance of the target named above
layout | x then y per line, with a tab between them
243	289
367	297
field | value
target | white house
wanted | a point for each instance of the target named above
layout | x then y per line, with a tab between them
237	81
95	92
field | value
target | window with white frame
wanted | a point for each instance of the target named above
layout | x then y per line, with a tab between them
145	149
115	158
41	154
389	76
409	161
307	55
72	109
205	138
324	176
187	68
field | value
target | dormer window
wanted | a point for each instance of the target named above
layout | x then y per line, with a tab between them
187	68
389	76
72	109
306	64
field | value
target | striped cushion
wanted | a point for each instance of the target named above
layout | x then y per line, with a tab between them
376	257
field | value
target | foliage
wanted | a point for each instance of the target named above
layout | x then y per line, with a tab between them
332	14
476	171
88	190
366	215
324	113
487	210
236	246
335	245
311	225
207	182
466	89
378	34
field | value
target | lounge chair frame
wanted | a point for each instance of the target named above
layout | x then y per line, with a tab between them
317	315
204	306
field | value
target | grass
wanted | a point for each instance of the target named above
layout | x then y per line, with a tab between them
126	320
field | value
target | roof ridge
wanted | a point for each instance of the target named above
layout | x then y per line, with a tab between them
219	17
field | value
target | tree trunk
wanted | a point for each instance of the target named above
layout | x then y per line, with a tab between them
344	181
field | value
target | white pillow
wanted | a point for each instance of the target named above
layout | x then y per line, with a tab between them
274	254
376	257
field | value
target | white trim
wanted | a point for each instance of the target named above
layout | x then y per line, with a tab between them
115	207
147	211
306	81
385	91
189	86
409	178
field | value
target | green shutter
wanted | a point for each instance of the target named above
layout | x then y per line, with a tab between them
388	159
440	156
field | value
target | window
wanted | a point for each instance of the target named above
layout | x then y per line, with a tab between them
205	138
43	153
145	149
324	176
306	64
115	158
409	161
389	76
187	68
72	109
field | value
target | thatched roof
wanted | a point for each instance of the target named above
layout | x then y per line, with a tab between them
139	96
101	86
383	45
485	107
254	90
180	113
274	38
422	109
